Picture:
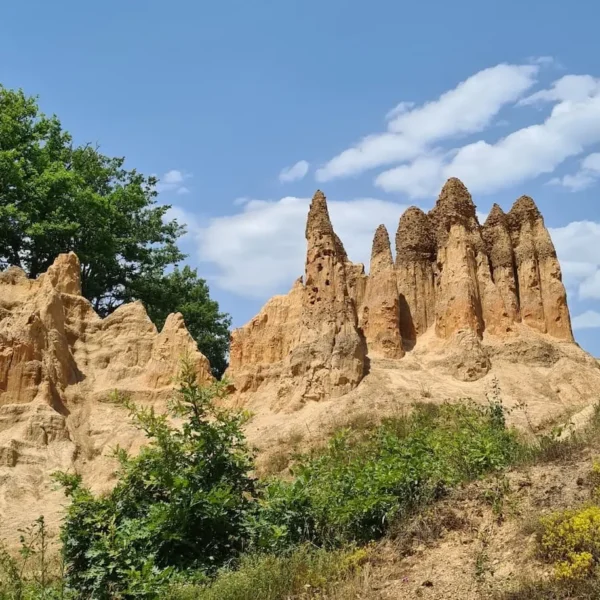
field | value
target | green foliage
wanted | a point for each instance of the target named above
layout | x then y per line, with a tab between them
306	571
56	197
182	504
183	291
356	488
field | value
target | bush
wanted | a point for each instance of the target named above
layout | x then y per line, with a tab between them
183	503
354	489
570	539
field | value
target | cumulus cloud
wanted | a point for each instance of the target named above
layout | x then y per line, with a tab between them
585	177
295	172
412	130
572	126
590	319
578	248
261	250
172	181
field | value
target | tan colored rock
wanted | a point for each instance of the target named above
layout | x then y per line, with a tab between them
502	260
328	358
473	283
52	340
415	257
65	274
307	343
380	310
59	363
542	296
259	348
457	298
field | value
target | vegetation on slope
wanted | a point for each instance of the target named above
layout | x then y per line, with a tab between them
186	514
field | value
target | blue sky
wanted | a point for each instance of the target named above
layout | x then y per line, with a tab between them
219	98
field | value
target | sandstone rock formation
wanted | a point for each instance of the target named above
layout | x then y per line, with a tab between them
308	341
470	284
51	339
380	308
415	258
542	296
59	362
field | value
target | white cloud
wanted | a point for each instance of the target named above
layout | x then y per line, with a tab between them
468	108
578	248
172	181
295	172
573	88
261	250
590	319
585	177
573	125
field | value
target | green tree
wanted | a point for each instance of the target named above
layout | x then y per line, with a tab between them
184	503
56	197
183	291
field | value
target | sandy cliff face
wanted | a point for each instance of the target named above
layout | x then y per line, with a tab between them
59	361
471	285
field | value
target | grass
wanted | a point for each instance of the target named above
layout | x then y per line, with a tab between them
306	572
551	590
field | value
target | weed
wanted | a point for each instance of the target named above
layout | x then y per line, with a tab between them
496	494
32	574
425	391
594	479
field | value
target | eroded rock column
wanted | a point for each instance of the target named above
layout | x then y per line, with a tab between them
380	311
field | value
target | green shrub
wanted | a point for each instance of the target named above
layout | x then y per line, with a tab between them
354	489
182	503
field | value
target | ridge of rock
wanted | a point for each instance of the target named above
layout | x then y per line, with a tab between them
466	283
542	295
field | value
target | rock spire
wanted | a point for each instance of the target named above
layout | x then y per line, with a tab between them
451	276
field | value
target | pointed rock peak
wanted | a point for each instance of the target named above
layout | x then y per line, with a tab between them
174	322
524	209
318	216
496	217
65	274
414	238
381	253
339	247
455	197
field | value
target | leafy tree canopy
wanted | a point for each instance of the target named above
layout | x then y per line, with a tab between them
56	197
